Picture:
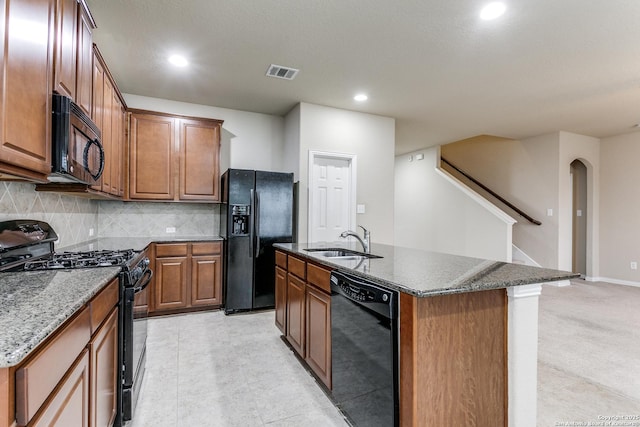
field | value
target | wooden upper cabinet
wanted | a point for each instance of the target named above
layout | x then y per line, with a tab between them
108	113
26	78
199	159
84	61
151	157
107	135
66	37
97	102
168	153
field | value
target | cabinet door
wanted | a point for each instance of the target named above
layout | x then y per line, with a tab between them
85	59
199	170
64	71
69	404
318	334
97	103
107	134
206	278
295	313
25	99
281	299
151	157
171	283
104	371
115	160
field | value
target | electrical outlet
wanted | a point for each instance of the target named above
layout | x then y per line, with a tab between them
90	232
634	265
170	230
549	212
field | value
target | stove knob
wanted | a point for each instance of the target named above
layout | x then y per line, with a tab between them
136	273
145	262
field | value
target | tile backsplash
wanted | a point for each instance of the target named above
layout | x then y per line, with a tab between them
73	217
144	219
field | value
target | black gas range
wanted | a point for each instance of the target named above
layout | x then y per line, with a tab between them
28	245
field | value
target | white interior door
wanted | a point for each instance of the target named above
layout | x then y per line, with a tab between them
331	196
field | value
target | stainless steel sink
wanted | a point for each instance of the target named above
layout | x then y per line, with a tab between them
340	253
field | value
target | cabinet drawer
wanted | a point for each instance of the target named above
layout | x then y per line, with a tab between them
206	248
281	259
103	303
41	374
319	277
171	249
297	267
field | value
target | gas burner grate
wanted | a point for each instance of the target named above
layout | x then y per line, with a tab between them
64	260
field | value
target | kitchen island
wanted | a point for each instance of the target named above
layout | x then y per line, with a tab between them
467	330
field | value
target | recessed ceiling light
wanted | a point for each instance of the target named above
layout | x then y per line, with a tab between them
492	11
178	60
361	97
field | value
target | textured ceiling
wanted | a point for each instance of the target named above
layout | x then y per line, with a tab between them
443	74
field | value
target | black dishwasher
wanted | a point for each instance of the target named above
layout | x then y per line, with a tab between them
364	350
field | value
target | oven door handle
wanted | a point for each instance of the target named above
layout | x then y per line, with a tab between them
142	287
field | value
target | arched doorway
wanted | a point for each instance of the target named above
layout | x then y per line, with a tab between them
579	217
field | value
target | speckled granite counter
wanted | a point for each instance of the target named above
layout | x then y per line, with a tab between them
34	304
136	243
424	273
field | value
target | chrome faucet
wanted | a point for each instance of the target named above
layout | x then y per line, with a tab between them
367	238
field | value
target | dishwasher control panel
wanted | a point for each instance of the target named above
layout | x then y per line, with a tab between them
359	290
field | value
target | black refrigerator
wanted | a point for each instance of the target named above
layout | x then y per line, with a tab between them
257	211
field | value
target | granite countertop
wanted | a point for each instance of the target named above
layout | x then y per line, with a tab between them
34	303
136	243
425	274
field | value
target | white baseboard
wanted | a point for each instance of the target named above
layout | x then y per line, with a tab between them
559	284
614	281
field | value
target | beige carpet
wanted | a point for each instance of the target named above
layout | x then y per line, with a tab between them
589	355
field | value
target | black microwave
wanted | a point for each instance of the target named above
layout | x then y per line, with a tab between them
78	155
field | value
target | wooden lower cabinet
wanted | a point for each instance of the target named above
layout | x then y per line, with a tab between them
318	333
71	378
303	311
281	299
69	405
295	313
188	276
206	272
104	369
171	283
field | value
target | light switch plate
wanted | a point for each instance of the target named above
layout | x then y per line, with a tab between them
549	212
360	209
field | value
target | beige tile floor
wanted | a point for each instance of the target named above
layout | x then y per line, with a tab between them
208	369
589	354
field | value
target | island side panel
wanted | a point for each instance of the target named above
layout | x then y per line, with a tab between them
453	361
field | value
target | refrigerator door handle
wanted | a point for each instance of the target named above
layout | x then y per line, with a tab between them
257	222
252	213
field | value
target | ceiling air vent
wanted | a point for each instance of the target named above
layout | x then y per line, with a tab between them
281	72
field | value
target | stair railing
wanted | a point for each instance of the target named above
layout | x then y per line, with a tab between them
493	193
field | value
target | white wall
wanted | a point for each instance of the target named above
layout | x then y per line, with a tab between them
533	174
526	174
372	139
434	213
291	156
249	140
620	208
587	150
